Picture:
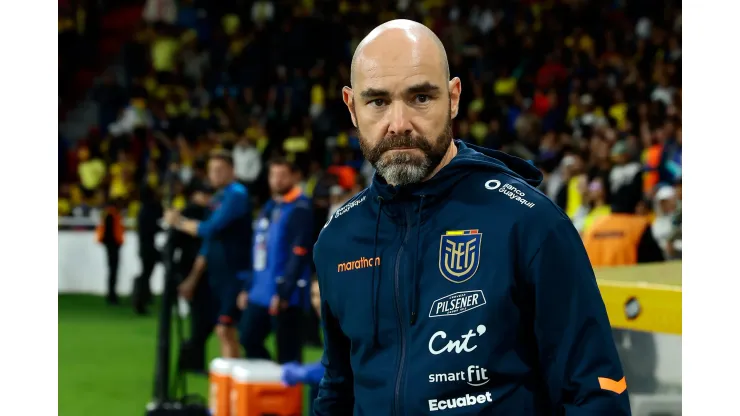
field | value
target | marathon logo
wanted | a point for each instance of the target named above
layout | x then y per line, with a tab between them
361	263
457	303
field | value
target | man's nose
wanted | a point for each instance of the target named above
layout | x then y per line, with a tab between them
400	120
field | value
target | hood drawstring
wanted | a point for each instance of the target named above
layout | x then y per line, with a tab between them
375	283
415	277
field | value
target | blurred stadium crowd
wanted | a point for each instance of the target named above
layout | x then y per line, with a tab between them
590	91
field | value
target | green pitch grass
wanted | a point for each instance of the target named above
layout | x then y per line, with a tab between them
106	358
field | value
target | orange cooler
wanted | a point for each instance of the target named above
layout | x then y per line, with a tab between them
257	390
219	379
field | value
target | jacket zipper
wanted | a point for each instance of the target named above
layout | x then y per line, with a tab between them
399	374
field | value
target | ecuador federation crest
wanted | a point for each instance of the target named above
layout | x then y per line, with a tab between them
459	254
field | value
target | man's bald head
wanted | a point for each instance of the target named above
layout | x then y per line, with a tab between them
402	101
399	36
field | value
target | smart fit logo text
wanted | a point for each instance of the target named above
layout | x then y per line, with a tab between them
362	263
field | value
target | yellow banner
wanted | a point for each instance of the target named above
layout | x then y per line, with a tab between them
643	298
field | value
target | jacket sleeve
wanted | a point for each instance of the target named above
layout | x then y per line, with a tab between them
299	230
576	350
246	277
234	205
336	389
203	250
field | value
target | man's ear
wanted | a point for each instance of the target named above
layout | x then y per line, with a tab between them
455	90
349	100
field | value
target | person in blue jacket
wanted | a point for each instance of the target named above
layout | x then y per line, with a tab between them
226	234
308	374
277	291
452	284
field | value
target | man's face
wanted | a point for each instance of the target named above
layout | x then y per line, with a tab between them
402	105
219	173
281	179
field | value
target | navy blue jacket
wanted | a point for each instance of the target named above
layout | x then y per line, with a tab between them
227	234
282	247
470	293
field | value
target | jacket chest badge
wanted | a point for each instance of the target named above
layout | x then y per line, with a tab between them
459	254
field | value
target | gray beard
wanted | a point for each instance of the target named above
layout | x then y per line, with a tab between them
403	169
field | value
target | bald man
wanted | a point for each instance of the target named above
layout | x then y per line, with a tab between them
451	284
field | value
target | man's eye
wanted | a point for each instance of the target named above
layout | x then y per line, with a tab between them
377	102
421	98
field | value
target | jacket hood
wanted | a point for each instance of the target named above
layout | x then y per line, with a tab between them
469	159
